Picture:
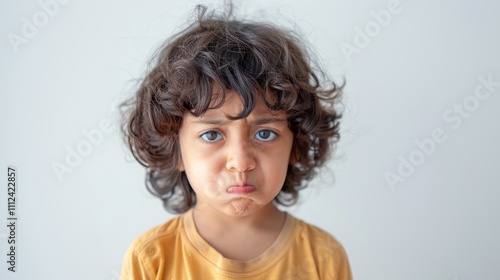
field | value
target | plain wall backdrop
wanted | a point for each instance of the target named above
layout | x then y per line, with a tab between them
412	192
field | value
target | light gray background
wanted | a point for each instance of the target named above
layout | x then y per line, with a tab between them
442	222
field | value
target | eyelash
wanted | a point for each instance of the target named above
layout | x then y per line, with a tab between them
210	141
273	135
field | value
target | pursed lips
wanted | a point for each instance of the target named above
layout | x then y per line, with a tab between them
241	189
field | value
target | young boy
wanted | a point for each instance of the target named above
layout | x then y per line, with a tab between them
230	121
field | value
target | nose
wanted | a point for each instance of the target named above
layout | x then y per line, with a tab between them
240	156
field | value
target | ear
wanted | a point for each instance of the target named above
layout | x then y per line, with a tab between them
180	165
294	155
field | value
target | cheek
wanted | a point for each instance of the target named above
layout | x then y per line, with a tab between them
276	165
206	182
203	173
201	167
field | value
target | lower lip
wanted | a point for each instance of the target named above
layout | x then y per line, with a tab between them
241	190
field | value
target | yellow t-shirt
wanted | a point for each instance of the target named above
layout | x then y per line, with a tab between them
175	250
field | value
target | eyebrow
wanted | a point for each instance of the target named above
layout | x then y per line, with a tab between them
259	121
211	121
262	121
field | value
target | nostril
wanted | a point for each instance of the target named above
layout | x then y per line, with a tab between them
241	162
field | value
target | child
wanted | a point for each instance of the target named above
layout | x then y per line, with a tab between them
231	121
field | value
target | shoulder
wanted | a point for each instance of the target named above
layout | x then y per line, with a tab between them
317	237
157	235
321	247
149	250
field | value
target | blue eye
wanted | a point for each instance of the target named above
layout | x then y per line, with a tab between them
211	136
265	135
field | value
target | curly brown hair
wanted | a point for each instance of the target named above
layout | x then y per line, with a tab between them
249	58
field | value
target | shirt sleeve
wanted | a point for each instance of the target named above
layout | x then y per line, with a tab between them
332	259
344	269
133	267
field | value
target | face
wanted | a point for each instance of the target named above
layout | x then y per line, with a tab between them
235	167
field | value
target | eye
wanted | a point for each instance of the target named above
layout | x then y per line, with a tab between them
265	135
211	136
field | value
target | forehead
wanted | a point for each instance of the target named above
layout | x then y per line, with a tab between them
233	106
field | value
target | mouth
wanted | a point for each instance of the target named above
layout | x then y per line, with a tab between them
241	189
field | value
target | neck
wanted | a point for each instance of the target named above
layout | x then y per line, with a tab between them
241	238
267	218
